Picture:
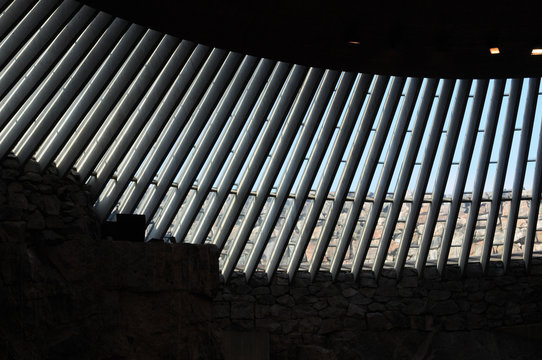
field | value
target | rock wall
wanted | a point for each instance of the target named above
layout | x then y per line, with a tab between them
67	294
496	316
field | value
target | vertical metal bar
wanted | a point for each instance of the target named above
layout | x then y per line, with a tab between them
464	165
423	177
354	107
504	155
523	154
72	115
29	23
443	171
186	126
332	166
481	171
32	49
285	141
387	173
373	155
298	105
406	171
227	141
20	121
188	177
119	114
13	13
379	140
139	116
52	111
216	123
287	181
535	206
275	121
97	113
159	119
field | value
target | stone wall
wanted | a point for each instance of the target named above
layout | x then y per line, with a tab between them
495	316
67	294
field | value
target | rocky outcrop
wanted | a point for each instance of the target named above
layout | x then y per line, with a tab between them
67	294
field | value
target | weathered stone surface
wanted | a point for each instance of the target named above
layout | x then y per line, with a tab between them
309	324
355	310
447	307
414	306
377	321
329	326
286	300
313	352
349	292
439	295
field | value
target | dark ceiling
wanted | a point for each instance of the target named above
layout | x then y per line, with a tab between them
414	38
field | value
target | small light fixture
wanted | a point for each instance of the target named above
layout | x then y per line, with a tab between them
354	42
536	52
494	50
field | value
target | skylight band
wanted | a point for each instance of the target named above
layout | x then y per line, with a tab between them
384	181
523	154
354	107
219	156
427	162
285	141
464	165
457	117
401	187
216	122
481	170
504	156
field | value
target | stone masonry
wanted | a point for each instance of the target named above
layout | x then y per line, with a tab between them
388	319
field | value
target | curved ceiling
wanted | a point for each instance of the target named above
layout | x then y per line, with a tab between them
395	37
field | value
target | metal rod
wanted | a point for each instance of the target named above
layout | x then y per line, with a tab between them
298	106
401	187
345	182
119	114
159	119
481	171
369	168
387	172
13	13
71	117
504	155
188	177
329	123
464	165
52	111
351	115
284	101
216	122
26	112
523	154
535	206
31	21
450	143
285	142
176	125
118	150
32	49
332	165
96	115
219	156
444	99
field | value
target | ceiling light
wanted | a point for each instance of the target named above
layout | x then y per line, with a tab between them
494	51
536	52
354	42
